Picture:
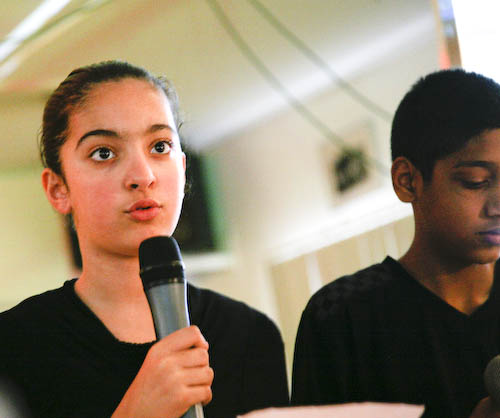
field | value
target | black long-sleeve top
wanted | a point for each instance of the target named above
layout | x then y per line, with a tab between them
379	335
65	363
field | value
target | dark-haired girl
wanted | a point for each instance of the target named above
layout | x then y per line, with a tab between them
113	161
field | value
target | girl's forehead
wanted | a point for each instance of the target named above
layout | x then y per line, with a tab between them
116	94
127	105
120	87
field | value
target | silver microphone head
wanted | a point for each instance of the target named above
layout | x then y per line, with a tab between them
492	379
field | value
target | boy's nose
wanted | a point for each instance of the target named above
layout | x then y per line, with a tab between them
493	204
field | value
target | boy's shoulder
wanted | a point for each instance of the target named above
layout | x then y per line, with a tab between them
364	287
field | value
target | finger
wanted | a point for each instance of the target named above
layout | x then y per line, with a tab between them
191	395
191	357
199	394
485	408
182	339
198	376
191	377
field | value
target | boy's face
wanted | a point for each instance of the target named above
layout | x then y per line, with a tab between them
458	211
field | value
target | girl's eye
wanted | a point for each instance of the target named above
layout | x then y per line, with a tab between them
161	147
102	154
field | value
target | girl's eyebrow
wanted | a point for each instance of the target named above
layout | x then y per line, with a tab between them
98	132
112	134
159	127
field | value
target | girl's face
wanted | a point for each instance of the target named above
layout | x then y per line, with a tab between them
123	166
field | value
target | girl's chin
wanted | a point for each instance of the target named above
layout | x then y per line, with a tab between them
150	234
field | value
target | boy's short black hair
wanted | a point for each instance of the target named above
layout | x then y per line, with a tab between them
441	113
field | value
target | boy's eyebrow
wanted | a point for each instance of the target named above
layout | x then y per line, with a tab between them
112	134
475	163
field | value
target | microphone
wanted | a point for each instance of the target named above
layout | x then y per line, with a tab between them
162	275
492	379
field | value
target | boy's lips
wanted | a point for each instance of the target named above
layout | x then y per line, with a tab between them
491	236
144	210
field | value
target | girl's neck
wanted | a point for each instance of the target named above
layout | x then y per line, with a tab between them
116	279
112	289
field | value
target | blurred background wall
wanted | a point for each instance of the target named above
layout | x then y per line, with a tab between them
275	92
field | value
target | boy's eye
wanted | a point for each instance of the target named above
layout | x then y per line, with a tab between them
474	184
161	147
102	154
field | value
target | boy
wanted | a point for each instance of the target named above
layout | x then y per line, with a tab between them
422	329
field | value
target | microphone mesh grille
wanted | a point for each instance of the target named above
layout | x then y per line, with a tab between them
160	261
492	379
158	250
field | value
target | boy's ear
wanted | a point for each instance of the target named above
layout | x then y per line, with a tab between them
406	179
57	191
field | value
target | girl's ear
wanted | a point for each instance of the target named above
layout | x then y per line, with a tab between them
56	191
406	179
183	156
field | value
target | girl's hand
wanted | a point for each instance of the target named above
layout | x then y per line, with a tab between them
175	375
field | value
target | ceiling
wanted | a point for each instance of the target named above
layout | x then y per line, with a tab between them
221	90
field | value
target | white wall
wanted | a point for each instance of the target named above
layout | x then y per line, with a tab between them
274	178
33	247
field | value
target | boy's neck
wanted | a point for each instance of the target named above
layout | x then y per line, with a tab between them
465	287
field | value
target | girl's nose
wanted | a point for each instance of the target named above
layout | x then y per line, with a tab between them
140	174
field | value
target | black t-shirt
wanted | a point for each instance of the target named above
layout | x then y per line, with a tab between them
379	335
66	363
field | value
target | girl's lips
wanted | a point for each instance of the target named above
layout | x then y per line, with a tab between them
145	214
142	205
144	210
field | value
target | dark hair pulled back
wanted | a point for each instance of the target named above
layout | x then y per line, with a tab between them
72	93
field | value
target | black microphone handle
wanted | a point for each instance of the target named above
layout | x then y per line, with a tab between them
168	303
